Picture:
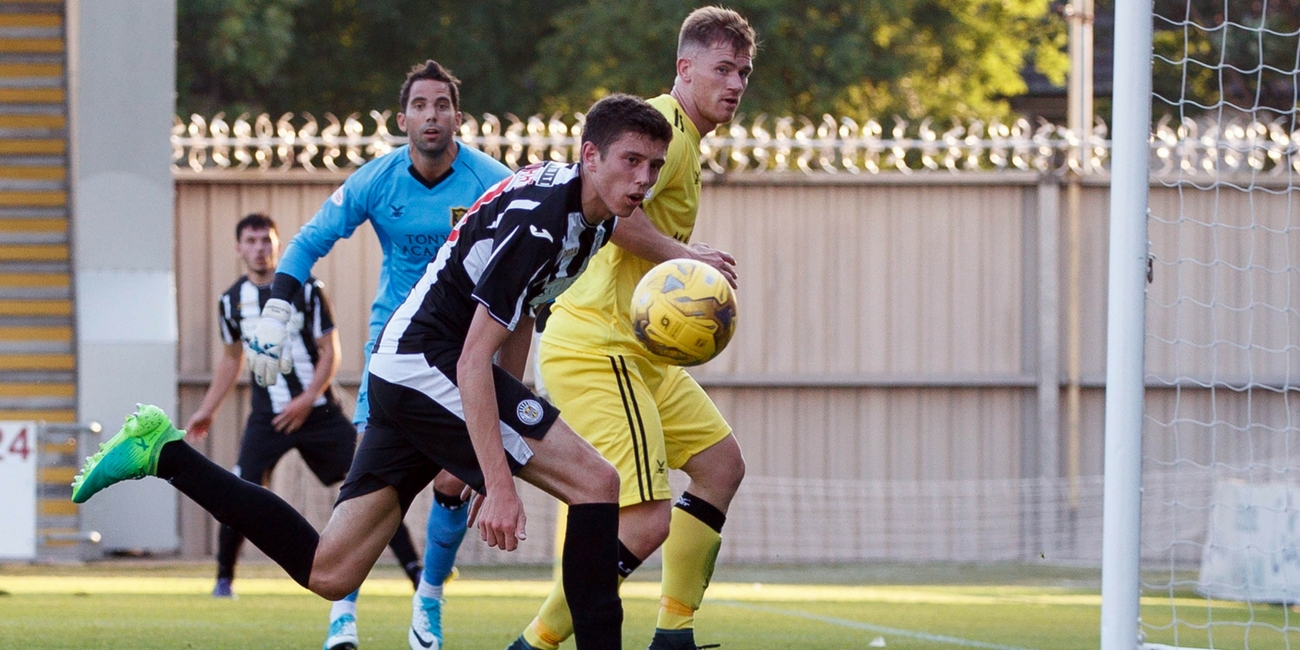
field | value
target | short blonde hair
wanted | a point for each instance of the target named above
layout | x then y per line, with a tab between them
708	26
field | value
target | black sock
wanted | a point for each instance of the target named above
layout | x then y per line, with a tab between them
627	561
404	549
250	509
228	544
590	565
702	510
448	501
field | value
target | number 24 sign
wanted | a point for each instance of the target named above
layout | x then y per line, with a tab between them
15	441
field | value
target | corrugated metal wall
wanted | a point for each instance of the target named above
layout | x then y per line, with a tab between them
895	381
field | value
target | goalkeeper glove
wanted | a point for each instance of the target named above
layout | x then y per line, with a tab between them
269	344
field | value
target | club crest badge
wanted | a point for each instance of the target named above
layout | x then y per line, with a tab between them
529	412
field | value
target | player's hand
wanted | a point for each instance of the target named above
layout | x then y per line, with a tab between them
474	501
269	345
501	520
197	427
720	260
295	413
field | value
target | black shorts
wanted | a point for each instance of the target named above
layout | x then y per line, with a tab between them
417	427
326	441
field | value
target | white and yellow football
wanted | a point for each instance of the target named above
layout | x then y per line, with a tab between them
684	312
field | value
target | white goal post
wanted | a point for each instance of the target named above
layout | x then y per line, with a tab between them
1125	326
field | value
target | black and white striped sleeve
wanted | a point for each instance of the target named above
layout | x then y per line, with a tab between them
228	320
319	316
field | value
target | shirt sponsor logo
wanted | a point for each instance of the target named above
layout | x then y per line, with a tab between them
421	245
548	176
529	412
540	234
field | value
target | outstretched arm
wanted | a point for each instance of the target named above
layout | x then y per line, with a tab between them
638	236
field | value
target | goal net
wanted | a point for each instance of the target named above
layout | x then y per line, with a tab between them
1220	466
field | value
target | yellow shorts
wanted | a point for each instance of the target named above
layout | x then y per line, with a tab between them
643	416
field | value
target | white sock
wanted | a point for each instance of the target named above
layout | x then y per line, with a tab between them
427	590
341	607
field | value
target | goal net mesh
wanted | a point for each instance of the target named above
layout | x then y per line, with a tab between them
1221	445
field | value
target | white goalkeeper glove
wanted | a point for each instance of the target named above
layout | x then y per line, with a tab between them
269	344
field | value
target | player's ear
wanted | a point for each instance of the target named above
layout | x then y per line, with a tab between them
460	117
401	121
684	68
590	154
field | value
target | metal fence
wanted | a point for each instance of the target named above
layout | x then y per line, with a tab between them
830	145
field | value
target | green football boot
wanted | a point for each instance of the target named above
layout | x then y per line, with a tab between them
131	454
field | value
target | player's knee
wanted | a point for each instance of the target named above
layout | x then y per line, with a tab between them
448	484
601	480
723	472
734	472
332	585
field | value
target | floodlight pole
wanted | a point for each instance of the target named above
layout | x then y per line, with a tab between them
1126	325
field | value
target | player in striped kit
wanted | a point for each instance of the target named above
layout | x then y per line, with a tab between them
299	411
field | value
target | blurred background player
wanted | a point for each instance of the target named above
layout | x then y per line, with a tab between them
299	411
412	197
643	415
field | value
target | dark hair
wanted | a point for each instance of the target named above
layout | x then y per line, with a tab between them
617	114
434	71
708	26
254	221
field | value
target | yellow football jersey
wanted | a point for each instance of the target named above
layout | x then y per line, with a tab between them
596	311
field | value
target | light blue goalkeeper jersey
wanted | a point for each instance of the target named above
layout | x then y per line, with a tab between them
411	216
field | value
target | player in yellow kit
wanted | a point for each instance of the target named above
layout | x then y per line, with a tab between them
643	415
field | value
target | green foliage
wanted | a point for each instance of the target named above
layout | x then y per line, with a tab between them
914	58
229	51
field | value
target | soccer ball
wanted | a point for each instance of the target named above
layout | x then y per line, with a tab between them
684	312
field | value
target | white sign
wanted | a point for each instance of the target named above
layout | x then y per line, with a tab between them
18	490
1252	546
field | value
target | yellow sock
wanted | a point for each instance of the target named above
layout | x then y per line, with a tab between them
689	554
554	623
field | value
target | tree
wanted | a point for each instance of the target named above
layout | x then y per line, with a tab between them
230	51
347	56
915	58
864	58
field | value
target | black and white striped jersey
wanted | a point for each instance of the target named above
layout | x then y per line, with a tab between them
239	309
519	246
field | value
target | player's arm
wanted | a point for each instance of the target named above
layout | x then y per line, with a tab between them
501	517
337	219
513	355
295	413
637	235
224	377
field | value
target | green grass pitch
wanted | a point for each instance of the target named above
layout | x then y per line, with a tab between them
151	605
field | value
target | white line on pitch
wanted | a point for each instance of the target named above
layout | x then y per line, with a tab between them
879	629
